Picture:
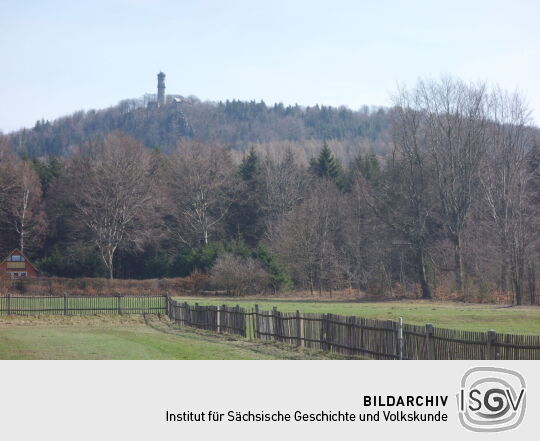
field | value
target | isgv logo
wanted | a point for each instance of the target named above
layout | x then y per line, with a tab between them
491	399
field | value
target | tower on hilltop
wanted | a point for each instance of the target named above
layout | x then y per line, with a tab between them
160	89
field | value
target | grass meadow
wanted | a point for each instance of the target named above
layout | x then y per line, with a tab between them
463	316
52	335
130	338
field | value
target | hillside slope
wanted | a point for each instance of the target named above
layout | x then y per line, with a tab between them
236	124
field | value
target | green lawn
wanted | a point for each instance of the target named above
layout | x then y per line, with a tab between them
472	317
129	337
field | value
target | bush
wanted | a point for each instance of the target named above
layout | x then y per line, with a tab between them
279	279
239	275
75	261
99	286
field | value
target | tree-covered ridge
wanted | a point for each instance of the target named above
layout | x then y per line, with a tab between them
453	208
233	123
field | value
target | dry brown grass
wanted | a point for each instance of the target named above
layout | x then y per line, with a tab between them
61	320
195	284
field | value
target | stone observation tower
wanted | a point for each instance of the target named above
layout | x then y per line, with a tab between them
160	89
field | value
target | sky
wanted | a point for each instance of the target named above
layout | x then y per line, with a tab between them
58	57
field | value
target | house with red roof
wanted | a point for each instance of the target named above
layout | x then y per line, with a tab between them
16	265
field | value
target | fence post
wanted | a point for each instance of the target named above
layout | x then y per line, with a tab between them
119	304
9	304
65	304
275	320
400	339
430	344
235	320
187	308
256	323
361	334
351	347
218	319
241	321
324	326
491	349
173	310
298	328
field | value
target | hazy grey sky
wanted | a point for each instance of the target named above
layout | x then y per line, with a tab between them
61	56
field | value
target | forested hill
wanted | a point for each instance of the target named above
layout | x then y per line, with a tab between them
236	124
454	210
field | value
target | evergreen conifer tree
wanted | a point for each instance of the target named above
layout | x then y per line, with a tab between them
245	219
250	167
327	166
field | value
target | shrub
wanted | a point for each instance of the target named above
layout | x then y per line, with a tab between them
239	275
279	278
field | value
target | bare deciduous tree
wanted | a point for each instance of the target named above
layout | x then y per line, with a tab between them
456	136
402	197
113	194
366	242
24	208
284	185
305	239
505	180
21	207
200	186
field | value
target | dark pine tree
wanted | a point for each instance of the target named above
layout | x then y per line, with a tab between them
250	168
327	166
245	220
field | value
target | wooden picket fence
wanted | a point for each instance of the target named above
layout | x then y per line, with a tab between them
231	320
350	336
356	336
82	305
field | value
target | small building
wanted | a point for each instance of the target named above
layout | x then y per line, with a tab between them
16	265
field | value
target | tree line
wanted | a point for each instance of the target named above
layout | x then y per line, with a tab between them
452	207
234	123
